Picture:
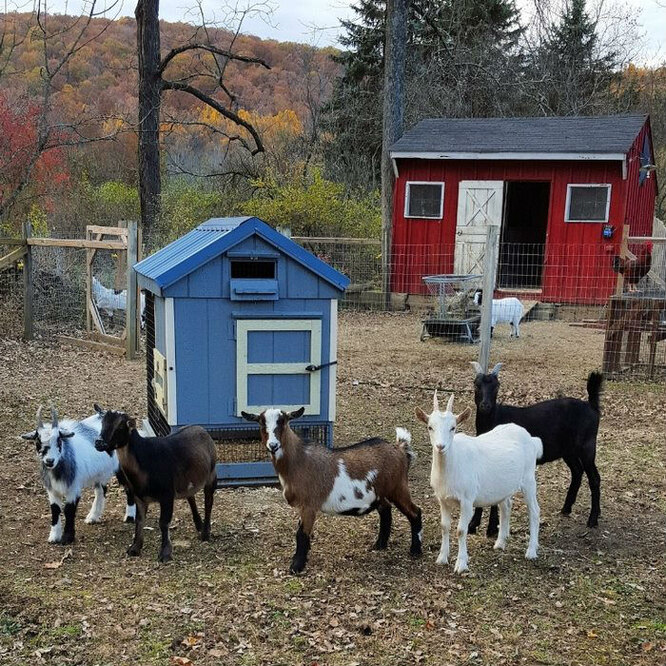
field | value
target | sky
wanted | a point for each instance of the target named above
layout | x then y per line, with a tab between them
316	22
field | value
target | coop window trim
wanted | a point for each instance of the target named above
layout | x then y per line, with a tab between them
245	369
571	187
408	199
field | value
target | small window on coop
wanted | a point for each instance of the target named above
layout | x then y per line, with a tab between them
253	269
160	381
424	200
587	203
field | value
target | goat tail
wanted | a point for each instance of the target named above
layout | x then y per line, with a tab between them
538	446
594	382
404	441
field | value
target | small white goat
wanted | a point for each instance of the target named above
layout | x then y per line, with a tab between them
480	471
109	300
71	463
504	310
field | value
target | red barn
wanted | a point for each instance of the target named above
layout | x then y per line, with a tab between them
560	189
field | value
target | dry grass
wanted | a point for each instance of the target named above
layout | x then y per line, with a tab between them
593	596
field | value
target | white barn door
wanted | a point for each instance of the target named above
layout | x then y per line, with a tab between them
480	204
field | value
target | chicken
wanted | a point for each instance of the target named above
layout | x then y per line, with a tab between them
635	267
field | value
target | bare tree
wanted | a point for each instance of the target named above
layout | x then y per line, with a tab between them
202	83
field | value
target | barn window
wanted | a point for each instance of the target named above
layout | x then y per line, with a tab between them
587	203
425	200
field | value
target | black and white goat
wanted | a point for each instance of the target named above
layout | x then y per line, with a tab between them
70	463
567	427
347	481
509	310
162	469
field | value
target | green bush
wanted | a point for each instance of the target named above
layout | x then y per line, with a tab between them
314	206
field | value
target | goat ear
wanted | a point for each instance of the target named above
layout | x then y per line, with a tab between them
477	367
250	417
421	415
131	423
297	414
449	405
30	435
463	416
66	434
496	369
98	409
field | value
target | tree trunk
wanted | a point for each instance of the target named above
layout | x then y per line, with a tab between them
150	92
394	103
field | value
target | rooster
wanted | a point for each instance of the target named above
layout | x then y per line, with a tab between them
634	267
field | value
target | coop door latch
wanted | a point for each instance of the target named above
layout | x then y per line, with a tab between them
314	368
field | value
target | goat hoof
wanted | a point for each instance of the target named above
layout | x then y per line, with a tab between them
91	520
490	533
296	567
133	551
442	560
164	558
499	545
378	545
415	552
471	529
129	519
66	539
593	522
531	555
566	511
460	568
205	536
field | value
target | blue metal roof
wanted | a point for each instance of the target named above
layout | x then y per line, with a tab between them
214	237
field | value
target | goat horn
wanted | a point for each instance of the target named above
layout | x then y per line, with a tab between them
496	369
40	423
54	417
435	402
477	367
449	406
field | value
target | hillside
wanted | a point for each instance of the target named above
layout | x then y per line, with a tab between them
103	74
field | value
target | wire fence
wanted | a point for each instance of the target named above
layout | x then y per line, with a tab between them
574	283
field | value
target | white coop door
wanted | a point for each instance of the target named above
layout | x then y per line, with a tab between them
479	205
272	356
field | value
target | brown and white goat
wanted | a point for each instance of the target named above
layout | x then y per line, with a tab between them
349	481
162	469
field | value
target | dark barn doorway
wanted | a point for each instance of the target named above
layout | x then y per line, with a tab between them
523	238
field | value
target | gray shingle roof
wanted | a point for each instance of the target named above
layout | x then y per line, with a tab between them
598	135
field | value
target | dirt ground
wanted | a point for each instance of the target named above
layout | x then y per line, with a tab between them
593	596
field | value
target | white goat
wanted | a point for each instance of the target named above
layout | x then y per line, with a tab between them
480	471
504	310
109	300
71	463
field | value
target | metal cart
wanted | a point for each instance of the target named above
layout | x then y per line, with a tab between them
456	317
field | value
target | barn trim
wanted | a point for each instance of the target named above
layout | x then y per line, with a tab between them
608	157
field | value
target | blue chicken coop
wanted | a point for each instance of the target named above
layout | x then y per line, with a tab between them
240	318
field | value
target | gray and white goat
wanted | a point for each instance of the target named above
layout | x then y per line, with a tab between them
70	463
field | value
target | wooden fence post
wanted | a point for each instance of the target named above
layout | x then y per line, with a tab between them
131	313
624	251
28	330
489	269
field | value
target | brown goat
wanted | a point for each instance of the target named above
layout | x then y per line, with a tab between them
351	481
162	469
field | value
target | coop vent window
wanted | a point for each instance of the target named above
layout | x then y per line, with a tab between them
258	269
424	200
587	203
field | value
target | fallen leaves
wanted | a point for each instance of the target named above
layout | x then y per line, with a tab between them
59	563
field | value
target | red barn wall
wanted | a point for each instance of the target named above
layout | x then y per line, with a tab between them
640	197
578	259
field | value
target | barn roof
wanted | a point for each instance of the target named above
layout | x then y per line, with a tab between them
214	237
598	137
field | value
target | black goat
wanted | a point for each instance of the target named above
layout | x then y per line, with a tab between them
567	427
162	469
